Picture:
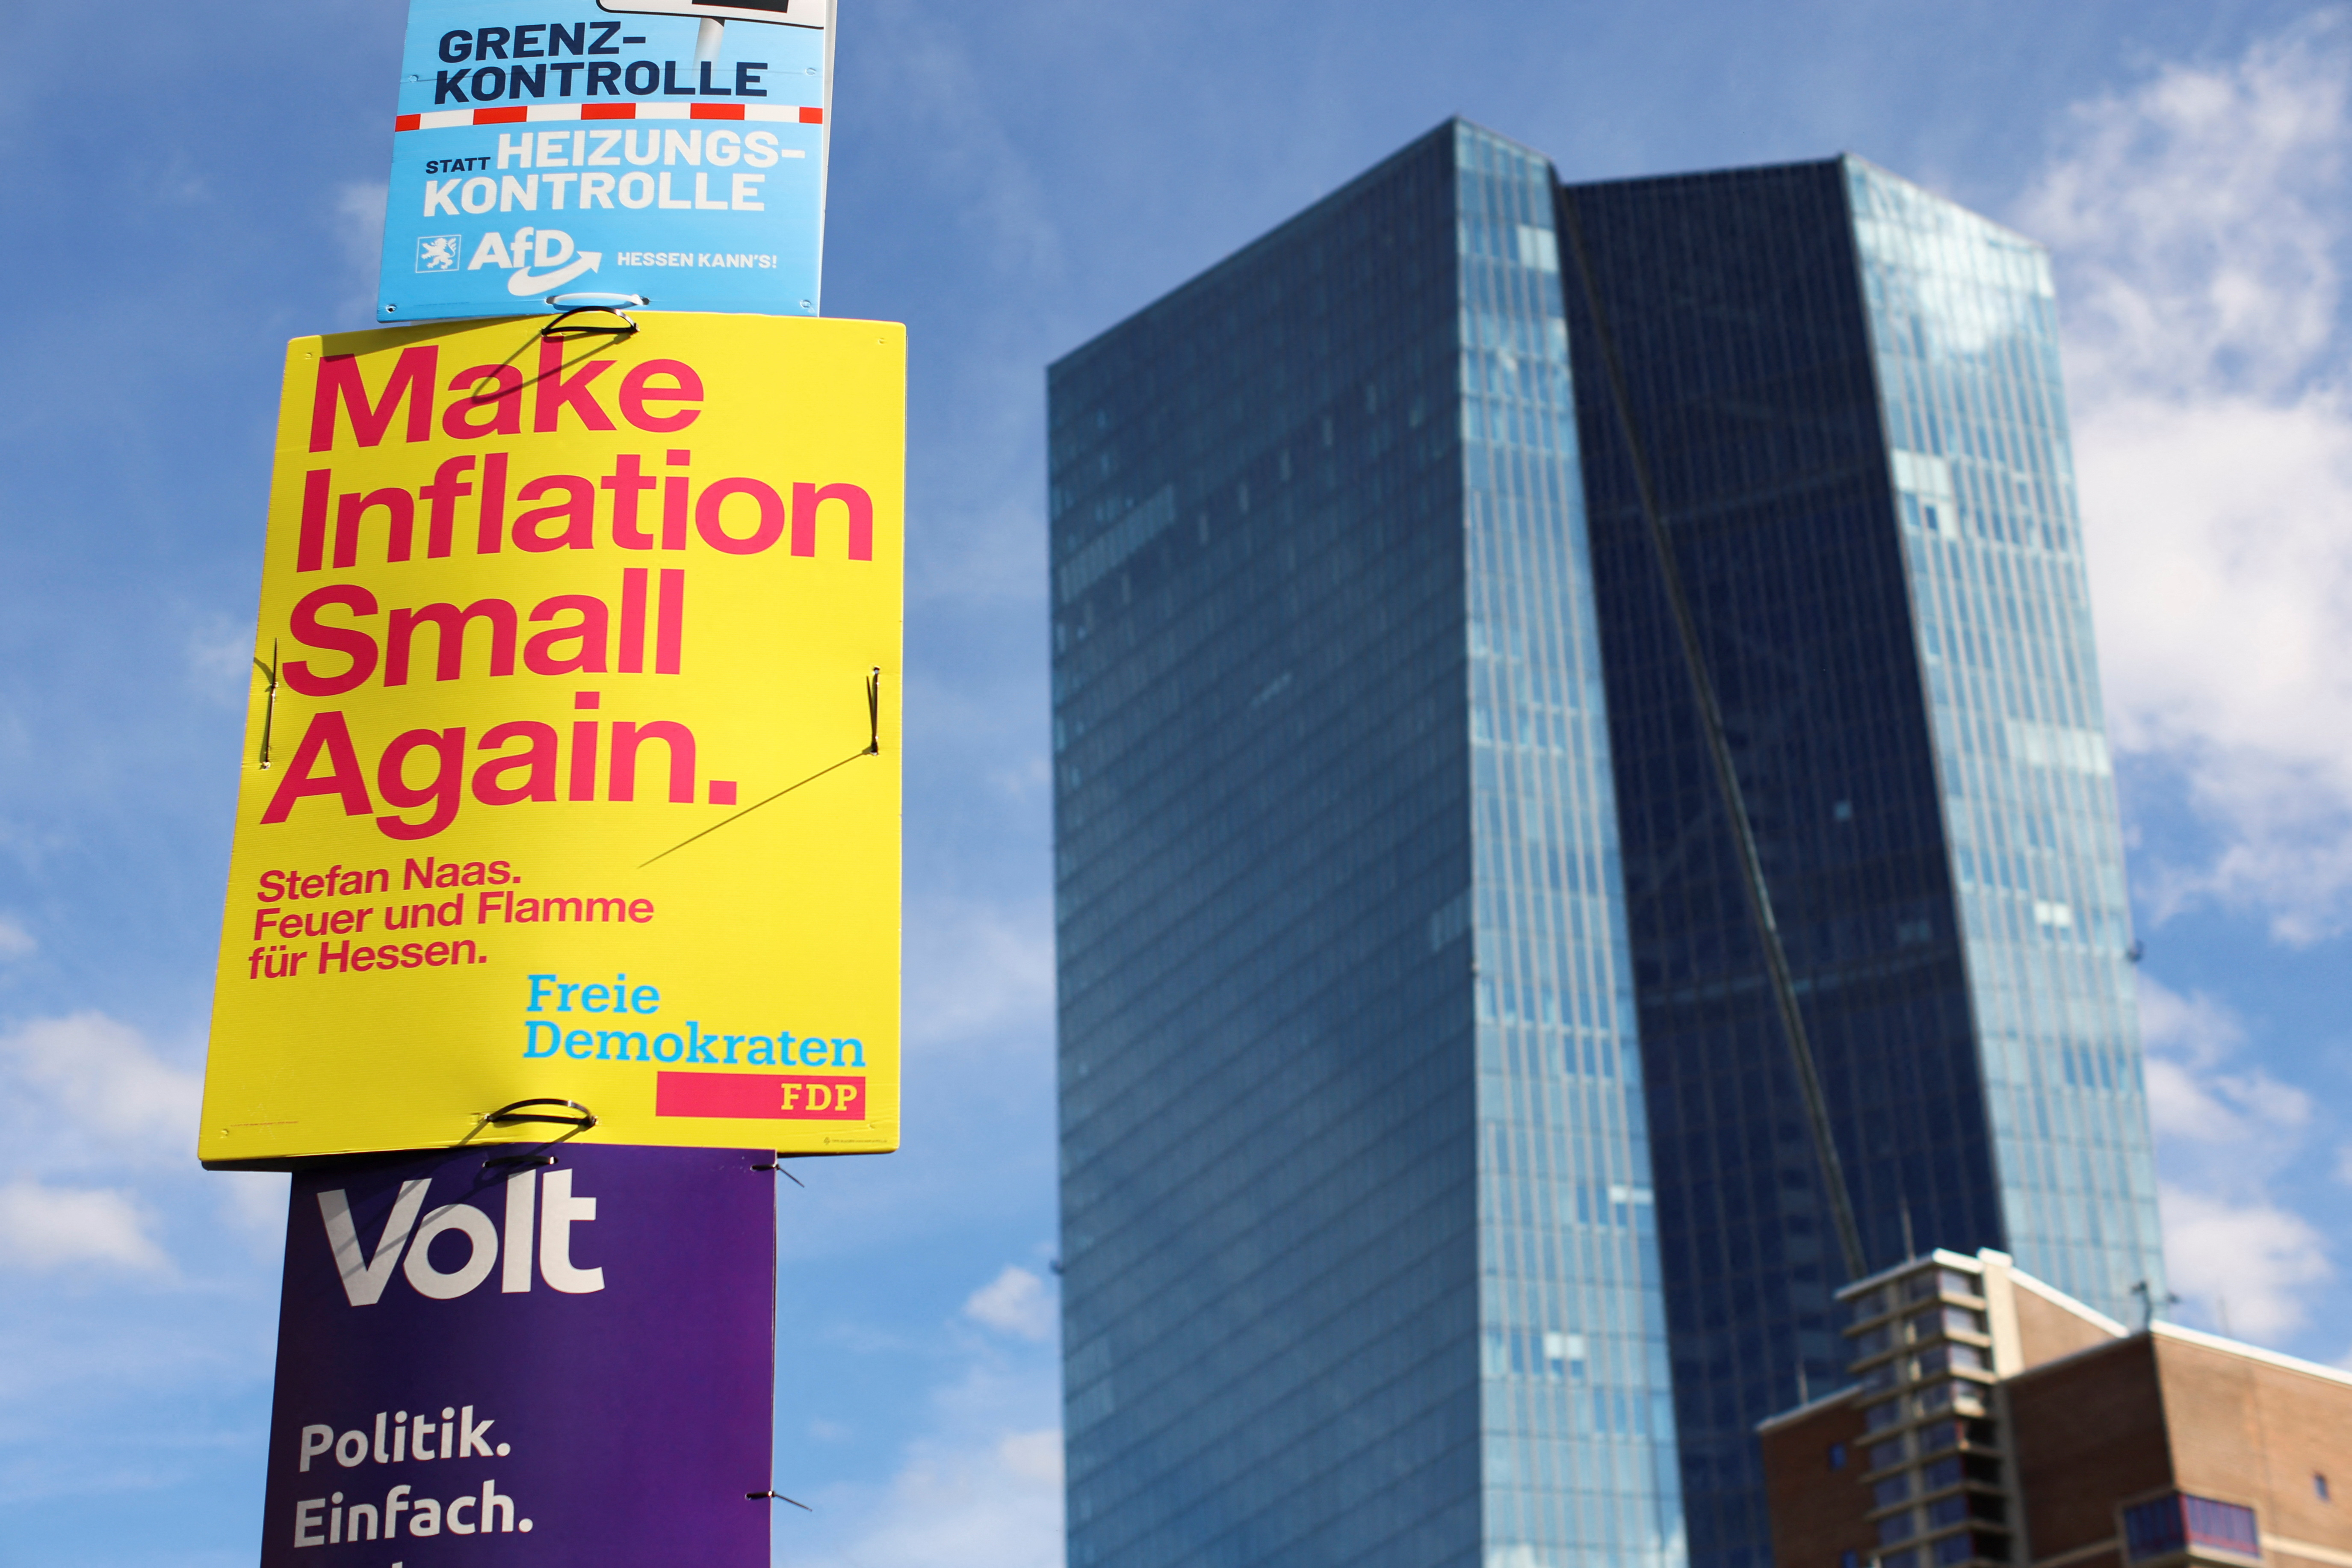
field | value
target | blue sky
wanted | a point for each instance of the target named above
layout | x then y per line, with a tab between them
1008	180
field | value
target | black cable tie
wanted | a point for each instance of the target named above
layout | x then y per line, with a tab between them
758	1496
778	1166
269	701
873	748
519	1160
511	1112
560	333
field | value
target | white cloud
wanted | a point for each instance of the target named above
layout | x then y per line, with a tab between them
2190	1097
44	1227
2199	1029
85	1088
15	942
995	1502
975	969
2249	1266
253	1201
980	1487
2237	1253
357	223
2200	231
220	660
1015	1302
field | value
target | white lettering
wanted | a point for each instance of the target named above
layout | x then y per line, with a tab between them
482	1239
491	252
559	1212
365	1278
522	1191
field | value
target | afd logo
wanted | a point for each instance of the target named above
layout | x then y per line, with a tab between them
548	1207
535	259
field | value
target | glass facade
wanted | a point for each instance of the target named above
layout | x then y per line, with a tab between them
1423	1098
1847	392
1578	1414
1965	326
1358	1260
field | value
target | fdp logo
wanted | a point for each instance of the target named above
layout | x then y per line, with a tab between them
544	1211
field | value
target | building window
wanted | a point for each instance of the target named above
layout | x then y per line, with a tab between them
1897	1527
1849	1559
1955	1549
1891	1490
1837	1456
2319	1484
2176	1520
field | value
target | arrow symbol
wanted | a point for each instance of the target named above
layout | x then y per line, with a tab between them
524	282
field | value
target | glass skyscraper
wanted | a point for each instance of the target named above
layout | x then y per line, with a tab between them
1847	395
1387	875
1359	1257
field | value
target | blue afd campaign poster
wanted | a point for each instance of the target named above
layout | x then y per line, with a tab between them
564	152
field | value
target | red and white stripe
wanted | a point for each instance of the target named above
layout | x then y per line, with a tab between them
534	113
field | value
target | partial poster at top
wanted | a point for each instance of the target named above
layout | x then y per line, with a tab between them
562	152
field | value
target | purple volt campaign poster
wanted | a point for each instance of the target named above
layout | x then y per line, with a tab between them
562	1356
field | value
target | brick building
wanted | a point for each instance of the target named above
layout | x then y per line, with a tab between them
1996	1420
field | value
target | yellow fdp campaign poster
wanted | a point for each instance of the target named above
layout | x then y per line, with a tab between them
571	764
